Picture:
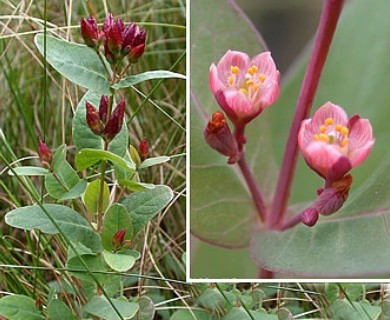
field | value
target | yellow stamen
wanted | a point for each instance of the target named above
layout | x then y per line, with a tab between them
243	90
344	142
316	137
344	131
252	70
249	83
231	80
324	137
234	69
323	129
262	78
255	87
329	121
338	127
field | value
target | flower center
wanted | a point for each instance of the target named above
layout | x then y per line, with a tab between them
332	133
253	80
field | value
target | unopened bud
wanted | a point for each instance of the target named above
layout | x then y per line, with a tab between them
44	153
93	119
143	149
309	217
119	238
333	197
89	31
133	42
135	156
103	108
114	125
219	137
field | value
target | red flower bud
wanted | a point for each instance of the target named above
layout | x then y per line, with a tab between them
219	137
143	149
309	217
134	42
103	108
93	119
114	125
89	31
44	153
119	237
333	198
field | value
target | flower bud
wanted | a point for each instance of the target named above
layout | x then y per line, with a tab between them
44	153
219	137
103	108
333	198
89	31
119	238
309	217
135	156
143	149
134	42
93	119
114	125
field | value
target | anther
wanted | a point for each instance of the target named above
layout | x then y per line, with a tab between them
231	80
338	127
323	129
344	131
262	78
234	69
329	121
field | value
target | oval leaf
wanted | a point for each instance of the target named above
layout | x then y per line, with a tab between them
146	308
83	137
100	307
71	223
59	310
19	307
95	264
149	75
28	171
92	194
154	161
144	205
121	262
78	63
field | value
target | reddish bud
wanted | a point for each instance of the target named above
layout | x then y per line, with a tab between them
119	237
134	42
309	217
44	153
143	149
89	31
333	198
93	119
103	108
219	137
114	125
39	303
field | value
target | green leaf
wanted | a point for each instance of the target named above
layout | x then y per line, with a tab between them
146	308
189	315
100	307
116	218
19	307
59	310
92	194
144	205
154	161
78	63
149	75
121	262
61	182
28	171
75	192
133	185
221	207
344	310
239	313
71	223
213	300
88	157
95	264
83	137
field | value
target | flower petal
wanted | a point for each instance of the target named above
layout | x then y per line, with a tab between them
266	65
215	83
357	156
233	58
329	110
360	134
305	135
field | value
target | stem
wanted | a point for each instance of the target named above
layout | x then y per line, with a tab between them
264	274
327	26
291	223
101	191
255	192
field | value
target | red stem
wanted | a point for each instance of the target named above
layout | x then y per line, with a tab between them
255	192
327	26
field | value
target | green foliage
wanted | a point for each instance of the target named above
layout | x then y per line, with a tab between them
19	307
146	308
92	194
101	308
28	171
57	309
121	261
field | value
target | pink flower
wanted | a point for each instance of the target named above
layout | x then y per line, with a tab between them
244	87
332	144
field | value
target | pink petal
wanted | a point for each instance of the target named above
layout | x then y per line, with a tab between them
236	105
357	156
233	58
329	110
215	83
266	65
360	133
270	93
321	156
305	135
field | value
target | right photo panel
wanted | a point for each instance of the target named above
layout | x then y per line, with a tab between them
289	140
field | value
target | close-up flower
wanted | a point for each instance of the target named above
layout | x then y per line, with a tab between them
244	87
332	144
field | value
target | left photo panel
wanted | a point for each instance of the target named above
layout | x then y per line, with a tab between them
92	159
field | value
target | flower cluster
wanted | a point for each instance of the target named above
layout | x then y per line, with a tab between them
119	41
332	145
102	123
243	87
